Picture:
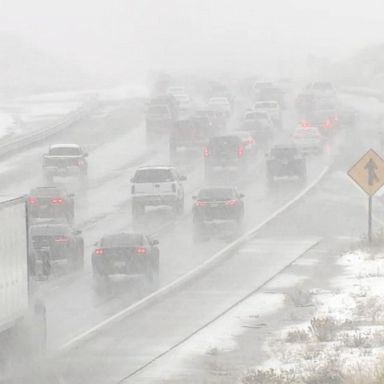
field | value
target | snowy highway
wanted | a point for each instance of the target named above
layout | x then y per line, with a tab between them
74	306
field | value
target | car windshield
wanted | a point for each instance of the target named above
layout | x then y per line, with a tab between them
256	115
64	151
158	110
284	152
49	230
216	194
156	175
122	240
266	105
46	192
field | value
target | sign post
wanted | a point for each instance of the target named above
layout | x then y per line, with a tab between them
368	174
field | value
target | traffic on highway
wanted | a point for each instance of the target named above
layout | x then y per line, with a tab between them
187	221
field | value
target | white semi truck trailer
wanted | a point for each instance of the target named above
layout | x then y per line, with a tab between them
22	317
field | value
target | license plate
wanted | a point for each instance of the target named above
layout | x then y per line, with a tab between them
119	264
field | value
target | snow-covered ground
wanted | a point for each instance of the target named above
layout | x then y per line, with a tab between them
345	336
22	114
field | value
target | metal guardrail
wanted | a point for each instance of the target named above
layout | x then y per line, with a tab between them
14	144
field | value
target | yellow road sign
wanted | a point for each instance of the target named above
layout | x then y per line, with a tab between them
368	172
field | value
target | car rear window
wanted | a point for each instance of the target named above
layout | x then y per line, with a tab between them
65	151
223	142
153	176
46	192
267	104
216	194
122	240
284	152
49	230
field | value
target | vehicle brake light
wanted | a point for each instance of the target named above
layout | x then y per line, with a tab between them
304	124
32	200
141	250
206	152
240	150
61	239
230	203
327	123
56	201
199	203
99	251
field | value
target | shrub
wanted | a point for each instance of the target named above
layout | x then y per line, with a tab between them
298	336
324	328
271	376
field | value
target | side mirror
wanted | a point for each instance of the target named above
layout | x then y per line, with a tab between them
76	232
182	178
241	195
155	242
194	197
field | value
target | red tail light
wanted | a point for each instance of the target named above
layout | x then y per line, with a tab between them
199	203
141	250
61	239
206	152
230	203
57	201
240	150
99	251
304	124
327	123
32	200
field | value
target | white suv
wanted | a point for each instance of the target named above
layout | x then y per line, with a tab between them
157	186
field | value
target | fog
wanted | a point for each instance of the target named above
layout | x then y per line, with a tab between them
176	205
125	39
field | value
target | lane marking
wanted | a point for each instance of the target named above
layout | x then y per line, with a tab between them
189	276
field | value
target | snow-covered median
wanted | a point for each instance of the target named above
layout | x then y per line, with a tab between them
344	341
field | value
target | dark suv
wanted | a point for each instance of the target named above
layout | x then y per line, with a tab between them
51	202
224	153
60	242
188	133
126	254
215	207
285	161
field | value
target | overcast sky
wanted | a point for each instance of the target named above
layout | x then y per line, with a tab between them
133	36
